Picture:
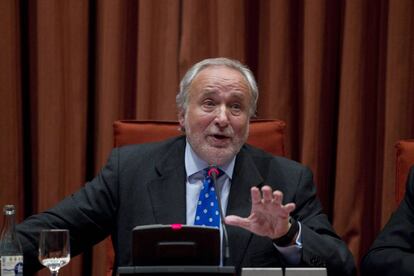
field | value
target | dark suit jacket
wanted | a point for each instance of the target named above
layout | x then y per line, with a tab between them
393	251
145	184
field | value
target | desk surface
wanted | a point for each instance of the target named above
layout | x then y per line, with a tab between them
217	270
179	270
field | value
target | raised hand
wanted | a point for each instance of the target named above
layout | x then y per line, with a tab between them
268	217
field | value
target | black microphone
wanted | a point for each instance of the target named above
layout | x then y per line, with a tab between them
213	172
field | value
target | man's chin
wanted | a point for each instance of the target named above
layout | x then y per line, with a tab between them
219	156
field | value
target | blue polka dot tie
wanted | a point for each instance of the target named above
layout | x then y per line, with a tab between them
207	213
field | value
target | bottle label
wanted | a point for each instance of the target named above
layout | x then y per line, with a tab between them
11	265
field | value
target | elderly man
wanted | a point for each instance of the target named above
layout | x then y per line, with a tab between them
274	215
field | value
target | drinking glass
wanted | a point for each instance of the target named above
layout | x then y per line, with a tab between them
54	249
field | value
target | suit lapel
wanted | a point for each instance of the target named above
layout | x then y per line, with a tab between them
167	192
245	177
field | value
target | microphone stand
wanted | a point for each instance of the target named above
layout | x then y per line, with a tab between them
212	172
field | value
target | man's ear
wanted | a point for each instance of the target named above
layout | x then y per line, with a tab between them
181	118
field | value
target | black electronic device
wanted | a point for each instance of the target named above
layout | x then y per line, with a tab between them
175	245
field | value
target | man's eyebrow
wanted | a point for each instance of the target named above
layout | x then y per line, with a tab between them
208	91
238	95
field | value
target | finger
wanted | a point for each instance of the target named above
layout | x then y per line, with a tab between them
267	194
286	210
255	194
237	221
290	207
277	197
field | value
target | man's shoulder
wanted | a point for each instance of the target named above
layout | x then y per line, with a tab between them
259	154
152	148
269	164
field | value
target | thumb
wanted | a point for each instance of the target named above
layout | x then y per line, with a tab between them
237	221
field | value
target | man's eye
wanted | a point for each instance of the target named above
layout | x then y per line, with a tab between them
236	106
209	104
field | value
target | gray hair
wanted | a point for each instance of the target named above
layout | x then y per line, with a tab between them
182	96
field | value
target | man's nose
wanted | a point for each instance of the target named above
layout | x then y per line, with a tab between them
222	118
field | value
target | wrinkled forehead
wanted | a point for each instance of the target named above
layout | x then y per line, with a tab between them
220	77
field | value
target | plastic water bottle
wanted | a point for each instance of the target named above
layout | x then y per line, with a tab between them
11	254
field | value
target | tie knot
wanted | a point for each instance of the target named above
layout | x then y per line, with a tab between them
213	170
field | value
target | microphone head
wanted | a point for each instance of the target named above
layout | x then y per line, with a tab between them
213	171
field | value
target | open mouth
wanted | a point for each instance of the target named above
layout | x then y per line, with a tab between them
219	140
220	137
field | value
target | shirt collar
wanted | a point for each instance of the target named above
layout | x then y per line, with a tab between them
194	164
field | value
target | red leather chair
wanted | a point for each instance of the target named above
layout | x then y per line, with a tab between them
405	159
265	134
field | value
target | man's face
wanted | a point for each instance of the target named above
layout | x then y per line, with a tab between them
216	120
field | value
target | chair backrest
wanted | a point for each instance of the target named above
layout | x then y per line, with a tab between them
405	159
265	134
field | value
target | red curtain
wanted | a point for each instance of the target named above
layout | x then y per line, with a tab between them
340	73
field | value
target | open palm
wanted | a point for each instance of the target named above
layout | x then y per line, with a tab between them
268	217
